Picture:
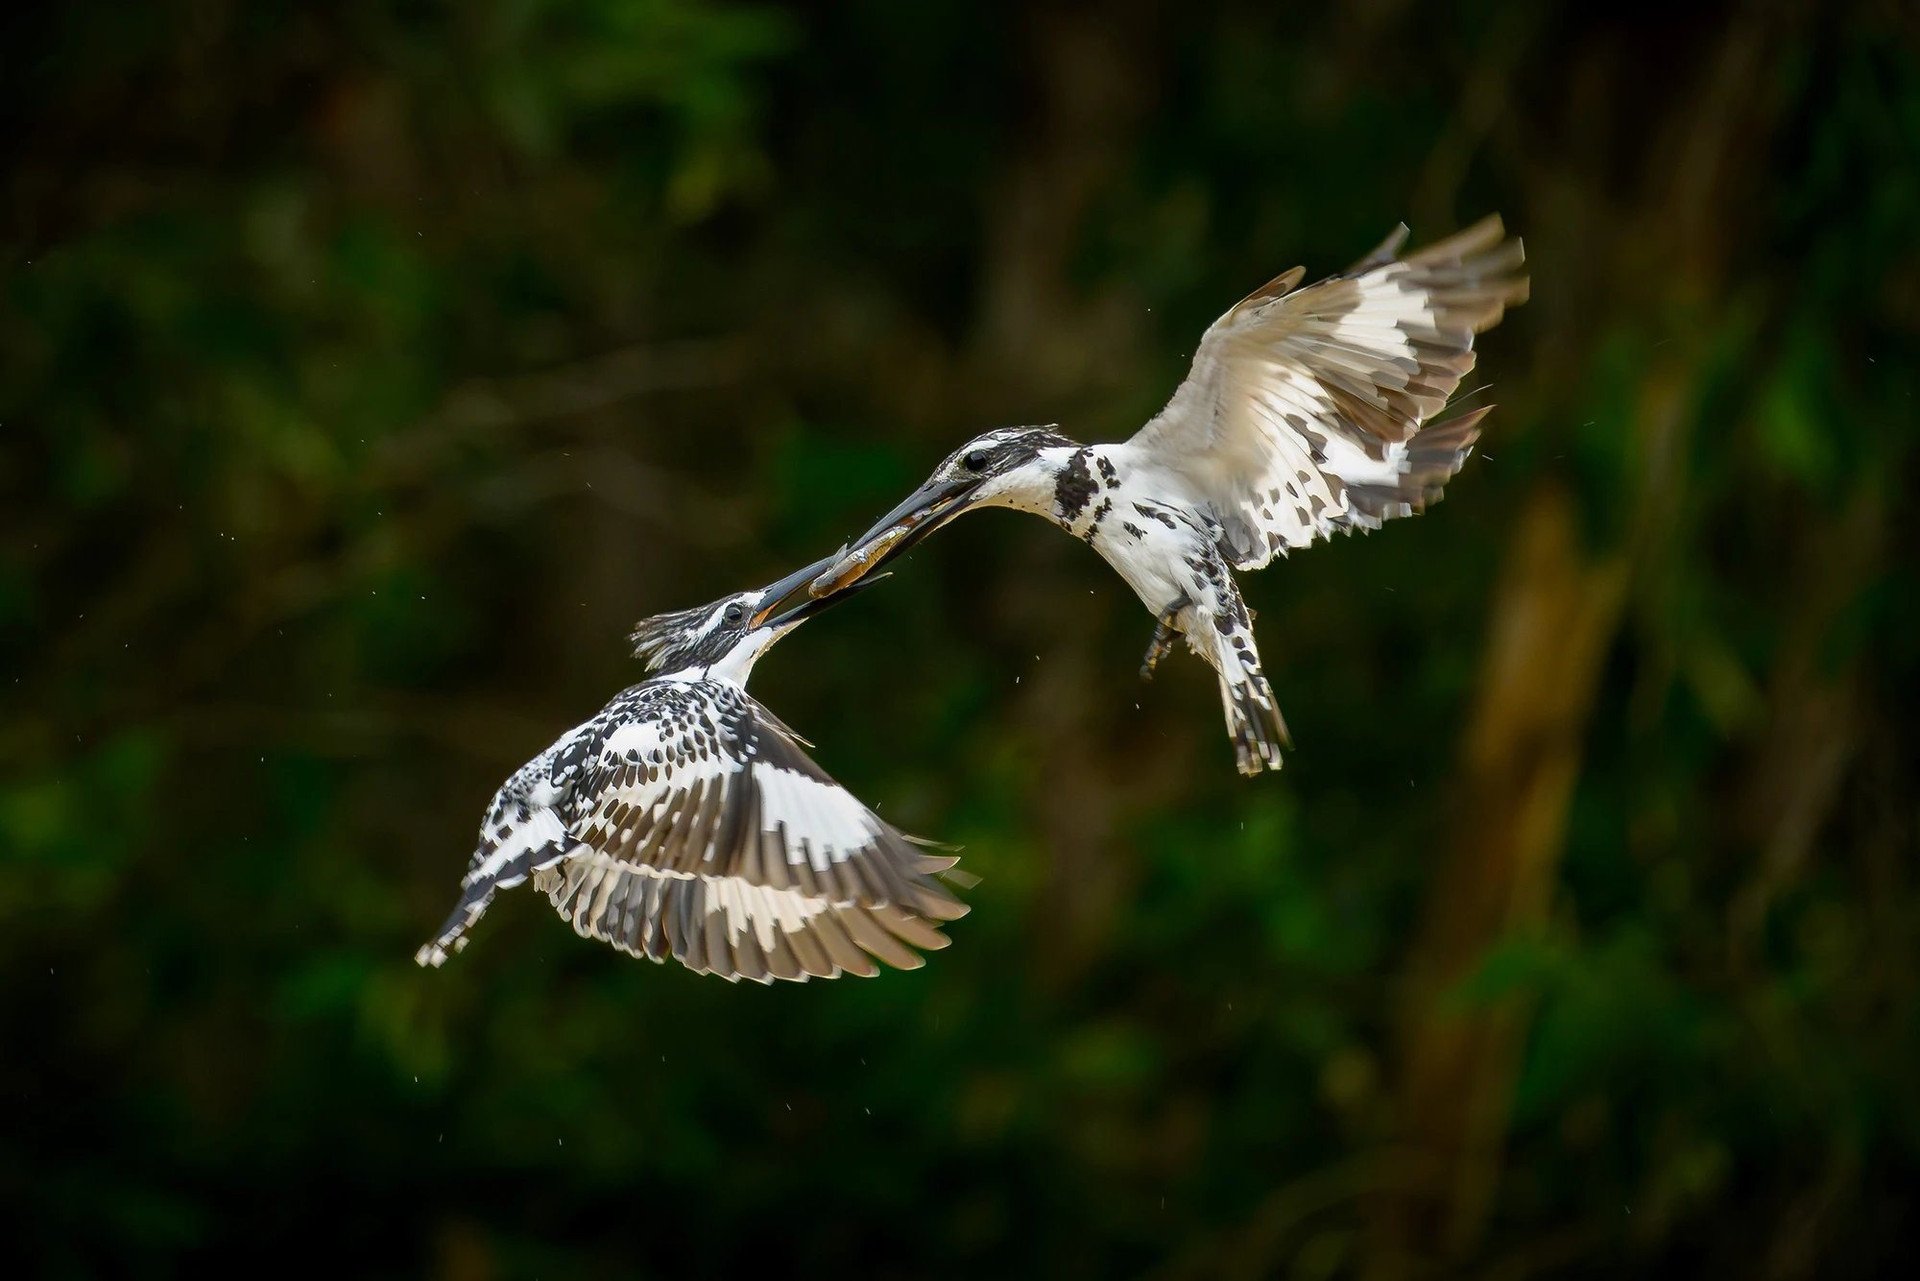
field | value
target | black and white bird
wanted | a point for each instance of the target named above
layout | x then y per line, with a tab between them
1306	412
686	820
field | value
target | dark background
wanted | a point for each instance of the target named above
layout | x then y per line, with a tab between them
366	369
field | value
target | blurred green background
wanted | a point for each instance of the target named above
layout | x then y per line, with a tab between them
366	369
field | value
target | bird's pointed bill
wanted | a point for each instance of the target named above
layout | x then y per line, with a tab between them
919	514
769	614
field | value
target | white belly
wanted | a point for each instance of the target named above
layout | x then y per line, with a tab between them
1151	558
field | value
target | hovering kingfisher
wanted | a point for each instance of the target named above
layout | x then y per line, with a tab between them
686	820
1305	412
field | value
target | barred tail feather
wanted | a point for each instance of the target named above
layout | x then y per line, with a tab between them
452	935
1254	723
525	848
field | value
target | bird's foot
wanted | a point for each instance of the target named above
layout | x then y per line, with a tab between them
1161	645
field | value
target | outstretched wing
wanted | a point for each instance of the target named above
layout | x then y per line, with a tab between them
1304	411
704	832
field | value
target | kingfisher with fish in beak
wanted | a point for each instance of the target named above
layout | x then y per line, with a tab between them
685	820
1306	412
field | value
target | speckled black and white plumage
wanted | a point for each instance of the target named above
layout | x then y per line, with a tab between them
1306	413
686	820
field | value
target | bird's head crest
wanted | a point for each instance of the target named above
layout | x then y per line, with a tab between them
694	637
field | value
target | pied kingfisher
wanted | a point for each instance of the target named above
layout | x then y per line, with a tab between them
686	820
1304	412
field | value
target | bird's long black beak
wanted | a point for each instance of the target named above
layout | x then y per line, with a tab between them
919	514
768	613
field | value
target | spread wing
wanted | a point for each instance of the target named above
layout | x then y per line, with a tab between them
1305	410
704	832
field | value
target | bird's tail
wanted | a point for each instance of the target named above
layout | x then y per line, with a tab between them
509	856
1254	722
452	936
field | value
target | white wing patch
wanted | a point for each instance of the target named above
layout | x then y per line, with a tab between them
633	739
823	817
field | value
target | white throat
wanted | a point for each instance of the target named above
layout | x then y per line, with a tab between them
737	666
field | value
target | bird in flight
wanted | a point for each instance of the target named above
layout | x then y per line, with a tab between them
1306	412
685	820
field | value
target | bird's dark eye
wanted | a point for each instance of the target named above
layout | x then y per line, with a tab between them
976	460
735	612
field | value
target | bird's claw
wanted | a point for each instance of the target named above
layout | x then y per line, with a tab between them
1162	643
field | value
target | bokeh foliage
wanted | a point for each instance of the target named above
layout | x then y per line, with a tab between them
365	369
